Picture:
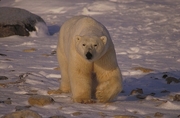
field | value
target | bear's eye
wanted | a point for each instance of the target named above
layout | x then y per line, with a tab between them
84	44
95	45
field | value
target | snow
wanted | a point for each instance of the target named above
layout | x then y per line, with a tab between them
145	34
41	30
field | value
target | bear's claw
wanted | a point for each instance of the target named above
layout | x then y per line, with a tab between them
84	101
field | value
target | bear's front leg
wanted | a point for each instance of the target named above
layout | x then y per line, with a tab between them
81	83
65	82
110	84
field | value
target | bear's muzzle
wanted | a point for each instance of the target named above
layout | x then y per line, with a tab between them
89	56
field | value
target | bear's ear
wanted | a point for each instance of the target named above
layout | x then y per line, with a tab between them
104	39
78	38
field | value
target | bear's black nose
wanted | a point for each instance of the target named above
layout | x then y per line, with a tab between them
89	55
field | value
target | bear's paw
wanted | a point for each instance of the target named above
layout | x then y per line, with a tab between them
84	100
105	92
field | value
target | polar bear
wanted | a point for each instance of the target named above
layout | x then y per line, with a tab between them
87	61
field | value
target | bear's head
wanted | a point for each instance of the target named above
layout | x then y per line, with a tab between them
91	47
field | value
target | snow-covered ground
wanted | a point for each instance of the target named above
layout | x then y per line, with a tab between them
146	35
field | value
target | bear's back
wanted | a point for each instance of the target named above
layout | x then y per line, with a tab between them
82	25
88	26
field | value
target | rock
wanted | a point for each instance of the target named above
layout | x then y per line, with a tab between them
165	91
158	115
3	78
103	115
136	91
8	59
144	70
56	68
164	76
152	94
139	93
32	92
7	101
2	54
30	50
22	114
19	108
3	85
140	96
46	55
76	113
40	100
16	21
124	116
53	52
172	79
57	117
176	97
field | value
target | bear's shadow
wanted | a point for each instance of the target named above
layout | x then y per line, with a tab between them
153	84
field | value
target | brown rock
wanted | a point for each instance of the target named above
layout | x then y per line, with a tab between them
165	91
172	79
158	115
164	76
124	116
3	78
140	96
9	30
57	117
3	85
40	100
32	92
76	113
102	114
53	52
57	68
7	101
176	97
2	54
144	70
136	91
29	50
22	114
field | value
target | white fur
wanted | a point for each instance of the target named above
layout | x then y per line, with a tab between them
82	37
